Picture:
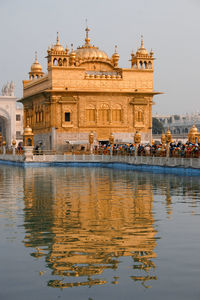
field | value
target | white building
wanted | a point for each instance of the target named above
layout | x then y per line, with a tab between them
179	124
11	116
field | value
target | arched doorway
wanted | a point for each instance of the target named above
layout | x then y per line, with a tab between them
4	129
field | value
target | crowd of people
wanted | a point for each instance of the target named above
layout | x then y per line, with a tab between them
174	149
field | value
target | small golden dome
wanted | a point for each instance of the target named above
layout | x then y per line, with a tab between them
168	132
142	50
27	130
36	66
193	130
115	55
58	47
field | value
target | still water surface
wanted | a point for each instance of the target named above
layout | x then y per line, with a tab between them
96	233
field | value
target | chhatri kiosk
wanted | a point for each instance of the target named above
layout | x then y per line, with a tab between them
84	91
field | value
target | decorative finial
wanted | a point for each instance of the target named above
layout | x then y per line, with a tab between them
115	48
36	57
142	41
57	38
151	52
87	39
72	47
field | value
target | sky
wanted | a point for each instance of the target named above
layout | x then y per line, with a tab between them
171	28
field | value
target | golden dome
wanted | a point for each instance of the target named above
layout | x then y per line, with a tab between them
36	66
89	52
28	130
115	55
58	47
193	130
142	50
168	132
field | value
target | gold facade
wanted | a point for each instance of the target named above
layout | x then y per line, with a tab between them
84	90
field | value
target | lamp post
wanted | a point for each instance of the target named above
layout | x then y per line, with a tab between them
168	140
13	146
111	140
28	143
137	140
193	135
4	147
91	141
163	141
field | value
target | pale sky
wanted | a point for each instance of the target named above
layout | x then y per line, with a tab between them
171	28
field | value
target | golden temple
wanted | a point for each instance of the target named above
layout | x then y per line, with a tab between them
85	90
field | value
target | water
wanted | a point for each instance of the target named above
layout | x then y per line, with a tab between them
97	233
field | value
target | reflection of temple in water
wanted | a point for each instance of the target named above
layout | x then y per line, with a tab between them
88	224
84	220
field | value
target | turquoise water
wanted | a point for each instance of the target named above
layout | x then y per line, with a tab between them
97	233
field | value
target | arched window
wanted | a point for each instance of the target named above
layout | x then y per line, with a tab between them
55	62
116	113
140	116
104	114
60	62
134	65
149	65
90	114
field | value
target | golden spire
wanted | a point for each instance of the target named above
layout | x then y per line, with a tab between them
36	61
87	39
142	41
57	43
